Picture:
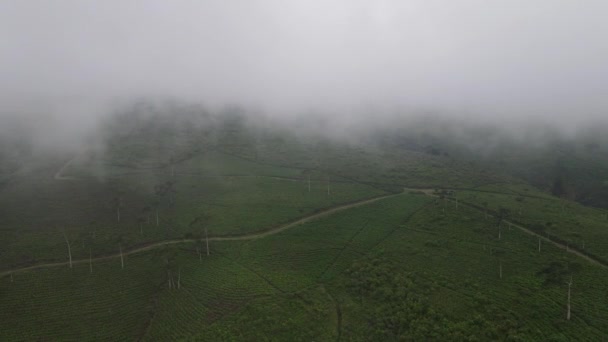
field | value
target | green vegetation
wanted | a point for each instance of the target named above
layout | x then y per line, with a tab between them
98	216
445	251
579	227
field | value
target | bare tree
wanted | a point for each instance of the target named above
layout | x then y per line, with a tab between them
118	203
503	213
207	241
179	277
539	245
306	173
328	183
162	191
485	210
69	248
122	259
500	269
146	212
441	201
569	287
90	261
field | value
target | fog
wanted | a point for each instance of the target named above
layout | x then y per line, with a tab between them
64	64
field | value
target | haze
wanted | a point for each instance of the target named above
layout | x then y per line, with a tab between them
488	60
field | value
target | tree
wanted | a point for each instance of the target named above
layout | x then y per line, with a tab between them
117	198
170	260
503	213
69	248
569	283
499	254
500	269
122	259
207	241
556	273
306	175
164	191
200	222
118	201
141	221
146	213
442	201
485	209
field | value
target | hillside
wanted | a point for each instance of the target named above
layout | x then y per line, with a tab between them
207	227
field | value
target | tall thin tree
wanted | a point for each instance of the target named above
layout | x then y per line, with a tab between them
500	269
207	241
69	248
569	288
122	259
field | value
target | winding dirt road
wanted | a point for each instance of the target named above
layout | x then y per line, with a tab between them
249	236
59	174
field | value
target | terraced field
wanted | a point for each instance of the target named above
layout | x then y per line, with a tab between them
575	225
99	216
297	284
308	241
206	288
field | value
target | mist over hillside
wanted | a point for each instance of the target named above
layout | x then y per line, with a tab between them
303	170
545	154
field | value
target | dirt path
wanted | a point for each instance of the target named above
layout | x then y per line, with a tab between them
59	174
430	192
249	236
559	245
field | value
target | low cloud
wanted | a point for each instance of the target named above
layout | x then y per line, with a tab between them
68	63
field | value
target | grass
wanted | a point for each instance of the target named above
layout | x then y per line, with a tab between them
580	227
39	209
290	285
406	267
72	304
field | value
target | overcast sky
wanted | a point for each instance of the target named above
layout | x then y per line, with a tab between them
539	58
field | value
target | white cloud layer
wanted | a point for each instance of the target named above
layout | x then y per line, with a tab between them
494	59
